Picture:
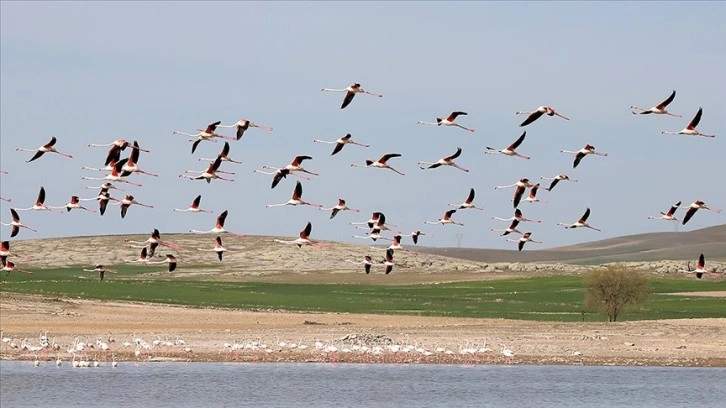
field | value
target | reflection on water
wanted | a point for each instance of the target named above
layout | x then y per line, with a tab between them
356	385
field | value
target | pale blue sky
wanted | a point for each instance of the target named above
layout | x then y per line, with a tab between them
95	72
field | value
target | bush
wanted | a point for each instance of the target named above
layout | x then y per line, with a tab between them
610	289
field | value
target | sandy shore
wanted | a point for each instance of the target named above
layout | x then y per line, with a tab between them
229	335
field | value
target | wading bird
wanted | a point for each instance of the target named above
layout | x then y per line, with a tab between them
107	186
103	198
700	268
366	262
537	113
143	257
556	179
350	93
15	224
209	174
170	259
341	206
469	203
341	142
517	216
695	206
582	223
396	245
381	163
207	134
414	236
690	130
377	219
153	242
388	262
195	206
242	125
218	248
115	175
5	252
525	238
532	197
511	150
669	216
279	174
101	270
296	198
131	164
114	153
446	219
218	226
9	266
39	203
449	121
75	203
224	155
588	149
46	148
660	109
446	161
127	202
303	239
511	228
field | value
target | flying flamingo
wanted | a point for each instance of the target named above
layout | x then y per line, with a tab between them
375	235
303	239
537	113
350	93
523	183
9	266
700	268
242	125
107	186
532	197
446	161
143	257
588	149
131	164
218	248
170	259
207	134
366	262
556	179
39	203
414	236
114	153
109	166
511	228
388	262
296	198
581	223
446	219
517	216
380	163
115	175
449	121
670	215
46	148
525	238
127	202
690	130
338	208
296	165
511	150
659	109
15	224
153	241
224	155
279	175
103	198
469	203
209	174
100	269
396	245
341	142
75	203
5	252
195	206
218	226
378	220
697	205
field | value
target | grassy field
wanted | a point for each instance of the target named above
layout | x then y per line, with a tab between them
552	298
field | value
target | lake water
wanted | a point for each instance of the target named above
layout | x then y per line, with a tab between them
356	385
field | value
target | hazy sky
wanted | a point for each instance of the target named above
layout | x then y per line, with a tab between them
93	72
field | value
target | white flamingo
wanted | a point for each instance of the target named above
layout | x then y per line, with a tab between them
537	114
582	223
580	154
659	109
449	121
510	150
690	130
446	161
381	163
469	203
350	93
243	125
46	148
341	142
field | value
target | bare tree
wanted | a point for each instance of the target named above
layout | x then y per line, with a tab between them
611	289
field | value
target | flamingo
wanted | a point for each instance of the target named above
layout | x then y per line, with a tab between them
511	150
449	121
511	228
446	219
446	161
15	224
107	186
115	175
9	266
517	216
690	130
371	222
388	262
700	268
532	197
279	173
341	206
537	113
414	235
350	93
153	241
341	142
670	215
659	109
224	155
556	179
207	134
525	238
380	163
46	148
218	226
127	202
296	165
131	164
209	174
114	153
375	235
695	206
522	183
379	222
143	257
303	239
170	259
218	248
75	203
581	223
242	125
195	206
367	262
396	245
103	198
39	203
588	149
5	252
507	353
296	198
469	203
100	269
109	166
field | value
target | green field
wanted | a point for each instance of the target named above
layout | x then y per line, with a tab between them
557	298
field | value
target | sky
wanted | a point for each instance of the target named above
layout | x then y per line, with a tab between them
94	72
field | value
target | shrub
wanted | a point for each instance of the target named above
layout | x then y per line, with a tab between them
611	288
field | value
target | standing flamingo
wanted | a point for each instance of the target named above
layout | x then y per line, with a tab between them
195	206
556	179
46	148
511	150
670	215
341	142
695	206
242	125
508	354
218	248
115	175
446	219
690	130
517	216
380	163
39	203
224	155
9	266
537	113
209	174
296	198
207	134
350	93
581	223
659	109
218	226
446	161
588	149
469	203
511	228
127	202
449	121
303	239
341	206
131	164
525	238
15	224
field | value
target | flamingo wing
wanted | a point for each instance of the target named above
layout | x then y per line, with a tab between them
279	176
520	245
673	209
197	200
304	234
222	217
532	117
41	196
455	155
453	115
701	262
213	126
689	214
388	156
667	101
578	157
51	143
114	155
518	193
225	150
696	119
583	219
553	184
36	155
348	99
172	262
297	194
470	199
15	215
299	159
517	142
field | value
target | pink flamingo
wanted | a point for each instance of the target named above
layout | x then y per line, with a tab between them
224	155
588	149
381	163
511	150
341	206
659	109
218	226
207	134
469	203
46	148
131	164
115	175
581	223
195	206
511	228
517	216
209	174
670	215
350	93
341	142
449	121
218	248
39	203
127	202
695	206
537	113
446	219
556	179
296	198
15	224
243	124
690	130
303	239
446	161
9	266
525	238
